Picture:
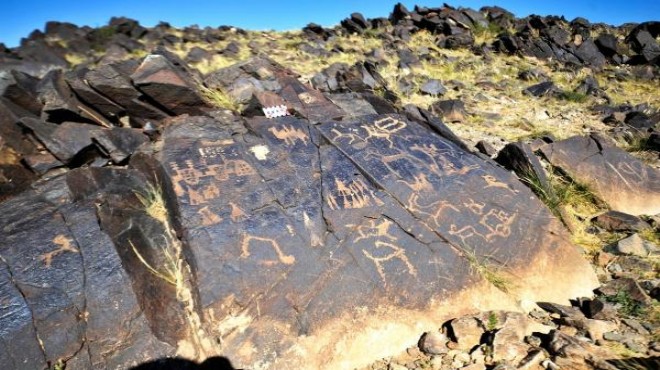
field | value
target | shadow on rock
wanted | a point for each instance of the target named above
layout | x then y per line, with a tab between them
637	363
213	363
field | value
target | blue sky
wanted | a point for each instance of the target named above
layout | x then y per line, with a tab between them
19	17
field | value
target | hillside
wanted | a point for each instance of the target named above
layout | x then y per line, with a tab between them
444	188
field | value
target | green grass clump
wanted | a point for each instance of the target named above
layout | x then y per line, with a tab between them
627	305
573	96
492	321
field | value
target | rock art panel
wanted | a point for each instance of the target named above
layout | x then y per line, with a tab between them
292	226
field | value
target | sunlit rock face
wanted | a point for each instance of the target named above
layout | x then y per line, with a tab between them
320	238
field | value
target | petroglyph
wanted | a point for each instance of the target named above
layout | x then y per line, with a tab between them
260	152
186	180
474	207
635	169
289	134
498	222
374	230
203	195
492	182
64	245
250	240
351	195
237	213
208	217
419	183
439	162
387	160
351	136
434	211
384	128
494	223
188	174
381	230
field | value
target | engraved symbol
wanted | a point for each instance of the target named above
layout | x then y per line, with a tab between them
491	224
634	169
260	152
236	214
208	217
351	136
492	182
64	245
419	183
289	134
439	162
384	128
206	194
351	195
474	207
281	257
434	211
381	230
189	174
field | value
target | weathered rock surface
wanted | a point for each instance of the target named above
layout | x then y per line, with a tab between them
622	181
370	219
333	221
328	235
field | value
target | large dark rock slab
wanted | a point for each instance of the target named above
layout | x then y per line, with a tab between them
158	78
379	213
625	183
70	297
86	94
115	85
21	89
65	141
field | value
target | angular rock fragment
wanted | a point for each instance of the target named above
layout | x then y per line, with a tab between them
622	181
59	103
541	89
451	110
433	87
86	94
21	89
65	141
114	84
119	143
619	221
158	78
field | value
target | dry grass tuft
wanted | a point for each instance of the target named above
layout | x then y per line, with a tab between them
154	203
220	99
491	272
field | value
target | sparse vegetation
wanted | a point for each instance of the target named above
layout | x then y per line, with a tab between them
492	321
220	99
627	305
573	96
171	270
488	270
75	59
651	235
153	202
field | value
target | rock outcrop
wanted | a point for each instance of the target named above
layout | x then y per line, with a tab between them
150	211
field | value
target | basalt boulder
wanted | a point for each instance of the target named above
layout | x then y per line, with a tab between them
262	244
624	182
